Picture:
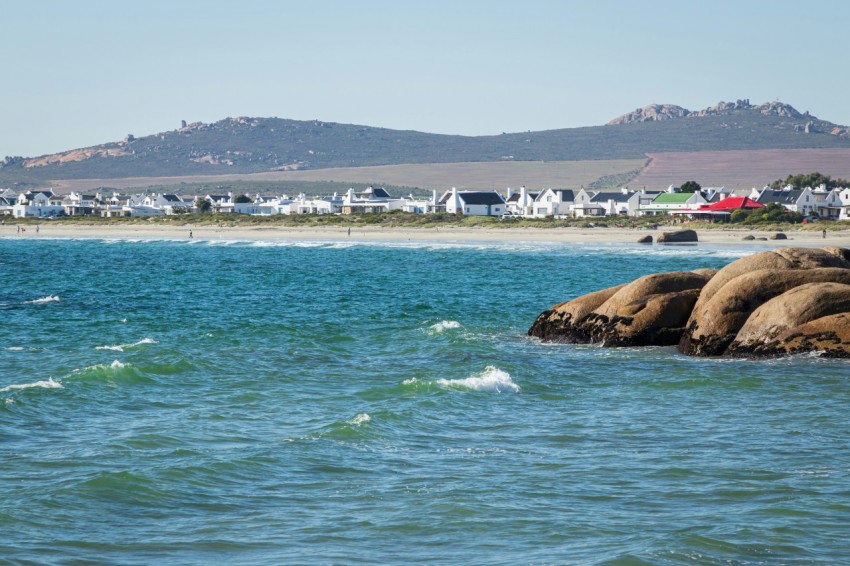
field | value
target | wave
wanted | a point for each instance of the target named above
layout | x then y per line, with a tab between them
122	347
444	325
42	300
491	379
49	384
360	419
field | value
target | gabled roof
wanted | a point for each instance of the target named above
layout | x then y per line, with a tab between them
617	196
171	198
566	194
377	193
481	197
732	203
785	197
672	198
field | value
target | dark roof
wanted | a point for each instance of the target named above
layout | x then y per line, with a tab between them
171	198
218	198
617	196
788	197
513	198
380	193
481	197
566	194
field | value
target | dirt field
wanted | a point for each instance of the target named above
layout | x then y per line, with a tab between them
740	169
439	176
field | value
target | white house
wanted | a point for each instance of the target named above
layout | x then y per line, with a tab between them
664	203
794	200
473	203
38	204
371	200
607	203
827	202
844	198
553	202
520	203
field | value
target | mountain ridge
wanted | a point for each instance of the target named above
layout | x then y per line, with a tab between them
255	144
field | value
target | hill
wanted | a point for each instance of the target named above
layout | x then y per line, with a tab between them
267	145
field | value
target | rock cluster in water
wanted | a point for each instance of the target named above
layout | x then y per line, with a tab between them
786	301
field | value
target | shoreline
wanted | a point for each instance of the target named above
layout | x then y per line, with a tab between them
607	235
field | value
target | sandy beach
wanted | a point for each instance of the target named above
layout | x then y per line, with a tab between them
377	233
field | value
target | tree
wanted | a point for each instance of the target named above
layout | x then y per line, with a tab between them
203	205
242	198
812	180
690	187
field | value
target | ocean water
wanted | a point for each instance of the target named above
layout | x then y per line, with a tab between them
185	402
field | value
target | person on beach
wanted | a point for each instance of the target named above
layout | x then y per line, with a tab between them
190	234
824	233
349	232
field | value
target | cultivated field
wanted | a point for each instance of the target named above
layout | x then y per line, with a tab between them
439	176
741	168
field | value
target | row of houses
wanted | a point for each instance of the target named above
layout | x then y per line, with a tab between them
713	203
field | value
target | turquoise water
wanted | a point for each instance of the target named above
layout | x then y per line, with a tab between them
328	402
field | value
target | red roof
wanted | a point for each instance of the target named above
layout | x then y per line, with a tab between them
732	203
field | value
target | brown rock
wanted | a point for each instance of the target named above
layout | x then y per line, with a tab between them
778	236
625	319
652	320
715	323
558	324
677	237
645	240
829	335
780	258
793	308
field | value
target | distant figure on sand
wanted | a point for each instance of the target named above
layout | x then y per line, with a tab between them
824	233
349	232
190	233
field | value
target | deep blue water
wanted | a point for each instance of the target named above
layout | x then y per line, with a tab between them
259	402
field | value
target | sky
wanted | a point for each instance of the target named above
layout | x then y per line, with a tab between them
86	72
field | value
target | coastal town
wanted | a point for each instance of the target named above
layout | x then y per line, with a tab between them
714	204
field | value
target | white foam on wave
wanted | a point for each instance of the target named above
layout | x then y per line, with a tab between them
14	348
360	419
491	379
444	325
116	364
42	300
122	347
49	384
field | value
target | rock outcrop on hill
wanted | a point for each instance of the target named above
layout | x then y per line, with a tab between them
786	301
657	112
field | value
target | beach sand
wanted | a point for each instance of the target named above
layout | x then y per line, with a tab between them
448	234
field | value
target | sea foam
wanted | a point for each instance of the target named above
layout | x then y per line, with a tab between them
360	419
122	347
49	384
444	325
42	300
491	379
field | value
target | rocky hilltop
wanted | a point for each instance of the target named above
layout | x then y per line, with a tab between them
658	112
773	303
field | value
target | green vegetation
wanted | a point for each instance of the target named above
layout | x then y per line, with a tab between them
690	187
772	213
812	180
243	198
203	205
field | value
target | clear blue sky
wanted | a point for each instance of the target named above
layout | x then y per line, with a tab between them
83	72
